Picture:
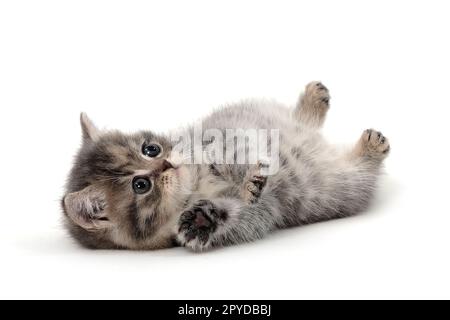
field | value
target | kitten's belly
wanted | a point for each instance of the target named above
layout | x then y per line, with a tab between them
294	141
251	115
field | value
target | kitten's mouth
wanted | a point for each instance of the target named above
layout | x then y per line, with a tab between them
174	170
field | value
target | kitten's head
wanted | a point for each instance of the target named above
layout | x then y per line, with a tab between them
123	190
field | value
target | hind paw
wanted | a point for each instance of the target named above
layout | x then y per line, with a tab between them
373	144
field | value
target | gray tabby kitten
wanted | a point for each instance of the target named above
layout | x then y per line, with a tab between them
136	192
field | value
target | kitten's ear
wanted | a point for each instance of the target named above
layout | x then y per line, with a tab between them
90	131
87	208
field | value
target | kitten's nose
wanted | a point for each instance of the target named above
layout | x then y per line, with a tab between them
166	165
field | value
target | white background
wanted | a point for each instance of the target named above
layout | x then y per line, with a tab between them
156	65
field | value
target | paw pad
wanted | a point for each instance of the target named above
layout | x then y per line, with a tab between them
197	224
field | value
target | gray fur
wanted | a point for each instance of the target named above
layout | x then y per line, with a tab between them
206	206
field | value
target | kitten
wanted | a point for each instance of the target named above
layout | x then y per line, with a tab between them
138	191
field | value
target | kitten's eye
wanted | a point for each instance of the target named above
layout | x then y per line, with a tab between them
141	185
151	150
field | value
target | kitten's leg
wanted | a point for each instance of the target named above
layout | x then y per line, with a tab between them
313	105
225	221
344	186
357	180
372	146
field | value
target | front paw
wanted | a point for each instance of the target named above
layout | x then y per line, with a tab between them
254	183
198	225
